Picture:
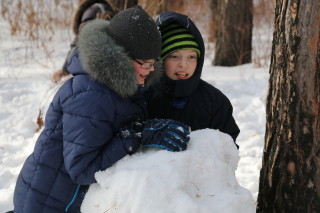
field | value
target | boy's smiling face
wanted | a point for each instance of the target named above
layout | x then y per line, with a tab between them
181	65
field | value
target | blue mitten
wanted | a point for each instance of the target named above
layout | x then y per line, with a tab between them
166	134
131	137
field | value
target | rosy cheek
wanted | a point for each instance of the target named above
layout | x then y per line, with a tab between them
138	71
137	68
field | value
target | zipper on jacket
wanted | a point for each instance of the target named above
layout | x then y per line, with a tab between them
73	199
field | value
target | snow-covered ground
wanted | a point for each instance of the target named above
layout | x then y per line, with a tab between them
209	174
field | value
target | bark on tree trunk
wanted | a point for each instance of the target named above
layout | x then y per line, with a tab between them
233	33
290	174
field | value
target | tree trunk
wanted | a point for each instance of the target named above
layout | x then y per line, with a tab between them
290	174
234	32
123	4
157	6
213	4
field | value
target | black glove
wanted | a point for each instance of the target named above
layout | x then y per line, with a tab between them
165	134
131	136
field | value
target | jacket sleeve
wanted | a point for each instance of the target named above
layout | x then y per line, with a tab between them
223	118
89	141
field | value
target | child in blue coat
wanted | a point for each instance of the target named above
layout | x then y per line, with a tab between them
94	119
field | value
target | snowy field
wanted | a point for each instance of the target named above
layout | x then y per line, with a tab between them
222	173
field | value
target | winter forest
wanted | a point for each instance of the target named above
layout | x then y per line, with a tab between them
263	55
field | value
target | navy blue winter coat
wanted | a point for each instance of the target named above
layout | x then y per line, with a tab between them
192	101
81	125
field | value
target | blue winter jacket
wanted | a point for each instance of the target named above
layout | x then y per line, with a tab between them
81	125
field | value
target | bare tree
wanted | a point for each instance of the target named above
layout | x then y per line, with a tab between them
233	32
123	4
290	174
212	23
157	6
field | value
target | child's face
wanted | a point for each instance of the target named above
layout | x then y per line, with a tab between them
142	73
181	64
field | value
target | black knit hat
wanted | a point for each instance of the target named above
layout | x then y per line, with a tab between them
136	31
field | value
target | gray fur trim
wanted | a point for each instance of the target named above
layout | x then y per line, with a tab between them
105	61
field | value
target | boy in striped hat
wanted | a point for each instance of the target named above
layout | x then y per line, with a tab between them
181	94
178	46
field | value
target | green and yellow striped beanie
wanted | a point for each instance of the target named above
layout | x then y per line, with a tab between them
175	37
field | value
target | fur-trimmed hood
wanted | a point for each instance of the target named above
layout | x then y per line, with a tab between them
105	61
